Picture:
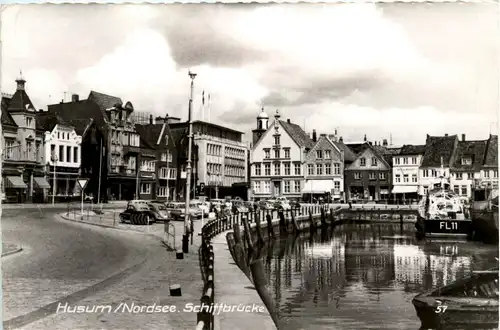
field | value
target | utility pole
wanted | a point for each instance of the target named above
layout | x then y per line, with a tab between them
54	162
185	237
100	174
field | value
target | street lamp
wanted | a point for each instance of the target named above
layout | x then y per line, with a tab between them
185	237
54	160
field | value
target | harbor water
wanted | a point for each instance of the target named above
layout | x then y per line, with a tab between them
363	276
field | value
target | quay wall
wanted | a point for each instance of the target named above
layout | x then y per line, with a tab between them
241	238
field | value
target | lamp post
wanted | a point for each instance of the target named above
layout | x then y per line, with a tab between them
54	159
185	237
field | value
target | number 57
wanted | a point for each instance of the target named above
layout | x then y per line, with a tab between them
441	309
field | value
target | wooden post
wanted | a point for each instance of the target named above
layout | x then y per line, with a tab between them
270	229
258	228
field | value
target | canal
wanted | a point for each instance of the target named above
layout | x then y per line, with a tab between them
362	276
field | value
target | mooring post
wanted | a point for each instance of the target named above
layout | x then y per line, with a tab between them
282	222
323	217
258	228
248	234
270	229
296	227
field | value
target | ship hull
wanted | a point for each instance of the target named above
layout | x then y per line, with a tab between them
444	228
485	224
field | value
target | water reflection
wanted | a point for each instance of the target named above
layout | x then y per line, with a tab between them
357	278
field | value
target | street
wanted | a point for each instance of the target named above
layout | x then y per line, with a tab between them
67	262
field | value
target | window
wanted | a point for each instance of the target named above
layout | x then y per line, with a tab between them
131	164
374	161
29	121
319	154
459	176
163	157
267	153
414	160
169	156
61	154
328	154
147	166
267	186
166	139
276	153
406	178
486	174
414	178
310	169
382	176
328	169
495	174
164	172
372	176
297	186
287	168
456	189
398	178
287	153
426	189
357	175
470	176
336	168
297	168
466	161
405	160
362	161
52	150
134	140
336	186
75	155
319	169
277	168
257	169
68	154
287	186
425	173
145	188
277	140
267	169
256	186
396	160
464	190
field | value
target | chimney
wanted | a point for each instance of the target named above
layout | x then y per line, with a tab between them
341	139
288	121
384	142
446	135
365	138
463	137
315	138
75	98
150	119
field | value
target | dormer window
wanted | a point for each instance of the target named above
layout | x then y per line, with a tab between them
374	161
29	121
277	140
319	154
166	140
467	160
362	161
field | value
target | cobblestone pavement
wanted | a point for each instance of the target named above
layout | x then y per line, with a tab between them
147	286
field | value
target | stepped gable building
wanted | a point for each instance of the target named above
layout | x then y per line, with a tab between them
278	158
368	177
324	167
439	150
466	166
112	134
24	168
405	172
159	138
489	170
62	152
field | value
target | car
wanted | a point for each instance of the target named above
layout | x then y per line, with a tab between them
178	211
282	203
239	207
137	212
294	204
203	206
159	211
266	205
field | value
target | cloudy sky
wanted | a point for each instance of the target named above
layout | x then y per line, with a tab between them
400	69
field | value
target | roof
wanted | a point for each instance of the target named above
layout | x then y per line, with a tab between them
46	121
262	115
386	153
20	101
79	113
297	134
491	153
349	155
80	125
357	147
6	117
437	147
149	134
476	149
104	101
409	149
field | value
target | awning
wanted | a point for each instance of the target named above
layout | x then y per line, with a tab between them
317	186
41	183
15	182
404	189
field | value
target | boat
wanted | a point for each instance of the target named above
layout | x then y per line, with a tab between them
443	213
469	303
484	212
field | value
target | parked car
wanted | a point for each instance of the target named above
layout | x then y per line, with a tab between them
266	205
159	211
178	211
137	212
282	203
204	206
239	207
294	204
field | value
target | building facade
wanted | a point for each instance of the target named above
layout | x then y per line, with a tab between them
277	159
24	169
368	178
405	172
489	169
324	168
439	155
62	152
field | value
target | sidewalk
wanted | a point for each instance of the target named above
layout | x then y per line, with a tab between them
9	249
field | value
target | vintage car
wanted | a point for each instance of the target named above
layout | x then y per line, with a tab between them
137	212
239	207
202	205
266	205
178	211
159	211
282	203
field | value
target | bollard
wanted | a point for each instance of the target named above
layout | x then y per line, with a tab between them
270	229
179	254
258	228
247	233
175	290
237	234
312	224
323	218
282	223
296	227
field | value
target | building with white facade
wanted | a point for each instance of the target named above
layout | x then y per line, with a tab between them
62	152
405	172
489	169
277	158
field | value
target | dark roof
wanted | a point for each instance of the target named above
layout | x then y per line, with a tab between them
491	157
104	101
6	117
46	121
475	149
80	125
437	147
297	134
349	156
19	101
386	153
79	113
409	149
149	134
357	147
